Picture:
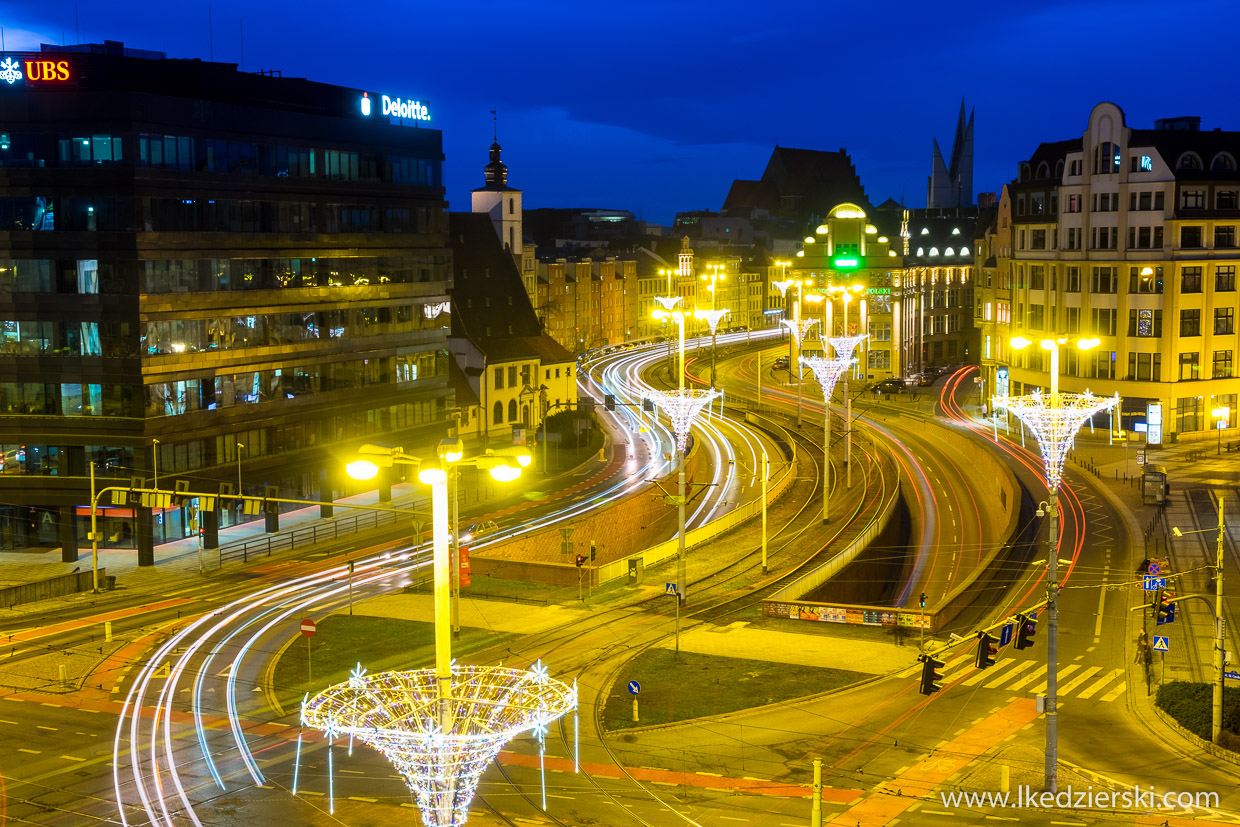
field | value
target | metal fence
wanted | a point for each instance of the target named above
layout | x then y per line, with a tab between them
304	536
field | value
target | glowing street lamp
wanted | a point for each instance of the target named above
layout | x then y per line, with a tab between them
827	372
1222	414
677	316
797	330
715	313
1053	420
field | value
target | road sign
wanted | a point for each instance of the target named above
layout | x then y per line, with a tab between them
669	590
1155	568
1232	675
1005	634
635	688
307	627
1162	644
1140	457
1151	584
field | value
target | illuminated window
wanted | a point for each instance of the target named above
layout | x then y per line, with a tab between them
934	251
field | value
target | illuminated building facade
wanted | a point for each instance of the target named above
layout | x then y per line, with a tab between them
937	328
249	269
1128	235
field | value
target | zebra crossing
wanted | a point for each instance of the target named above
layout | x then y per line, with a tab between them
1076	680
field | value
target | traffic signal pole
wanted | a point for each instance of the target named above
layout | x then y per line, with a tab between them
1052	647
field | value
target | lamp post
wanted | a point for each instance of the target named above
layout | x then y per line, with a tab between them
1054	421
848	342
827	372
435	473
679	317
1220	628
713	316
1222	414
797	330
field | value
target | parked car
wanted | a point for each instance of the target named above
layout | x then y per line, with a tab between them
781	363
892	385
479	529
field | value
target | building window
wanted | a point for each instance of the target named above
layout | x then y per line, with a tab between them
1224	320
1145	280
1222	364
499	379
1225	200
1190	280
1073	277
1106	201
1104	364
1106	158
1145	323
1074	203
1225	235
1036	317
1105	238
512	410
1189	160
1072	319
1190	322
1193	199
1224	278
1074	168
497	417
1145	367
1103	280
1104	321
1037	239
512	376
1190	237
1188	411
1190	367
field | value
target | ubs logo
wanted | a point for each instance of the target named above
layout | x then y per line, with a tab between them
38	71
9	73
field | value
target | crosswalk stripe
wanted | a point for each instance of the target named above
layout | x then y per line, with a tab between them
1110	676
1063	673
982	674
1039	674
1002	679
1079	679
1116	692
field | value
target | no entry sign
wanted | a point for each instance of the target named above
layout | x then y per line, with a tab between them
307	627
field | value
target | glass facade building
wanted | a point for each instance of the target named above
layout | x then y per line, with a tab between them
203	269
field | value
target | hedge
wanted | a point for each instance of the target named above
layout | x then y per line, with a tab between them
1191	705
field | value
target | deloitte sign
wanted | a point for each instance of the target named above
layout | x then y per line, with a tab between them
396	108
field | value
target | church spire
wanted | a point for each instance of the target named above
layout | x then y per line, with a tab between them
496	172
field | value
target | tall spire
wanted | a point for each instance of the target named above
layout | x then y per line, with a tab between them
496	172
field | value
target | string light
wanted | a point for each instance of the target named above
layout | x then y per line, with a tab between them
827	372
712	317
682	407
845	345
397	714
803	330
1054	421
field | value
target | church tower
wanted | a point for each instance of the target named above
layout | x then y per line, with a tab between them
951	184
501	202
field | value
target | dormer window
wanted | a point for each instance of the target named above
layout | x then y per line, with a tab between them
934	251
955	231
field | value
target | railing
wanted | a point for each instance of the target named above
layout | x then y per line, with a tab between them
307	535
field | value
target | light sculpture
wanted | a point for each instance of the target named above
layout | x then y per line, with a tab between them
828	373
397	714
844	347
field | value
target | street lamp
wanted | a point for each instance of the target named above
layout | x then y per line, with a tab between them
435	473
1222	413
677	316
1054	421
713	315
797	330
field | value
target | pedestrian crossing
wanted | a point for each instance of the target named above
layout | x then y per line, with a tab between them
1029	676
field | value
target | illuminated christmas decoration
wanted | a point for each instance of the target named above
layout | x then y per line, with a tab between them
827	372
1054	420
845	345
682	407
800	328
668	302
712	317
398	714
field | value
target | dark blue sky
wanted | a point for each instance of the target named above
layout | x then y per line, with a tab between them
656	106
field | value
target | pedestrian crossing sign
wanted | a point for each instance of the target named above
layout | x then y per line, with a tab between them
1162	644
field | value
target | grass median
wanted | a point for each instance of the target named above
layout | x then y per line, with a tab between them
379	644
678	687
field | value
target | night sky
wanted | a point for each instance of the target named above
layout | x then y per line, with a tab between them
656	107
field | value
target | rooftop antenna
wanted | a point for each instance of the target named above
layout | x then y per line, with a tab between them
77	23
494	127
210	36
241	25
2	39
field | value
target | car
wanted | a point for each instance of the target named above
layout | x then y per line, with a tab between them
891	385
781	362
479	529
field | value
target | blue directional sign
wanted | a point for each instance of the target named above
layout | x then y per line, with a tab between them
1005	634
669	590
635	688
1153	584
1162	644
1232	675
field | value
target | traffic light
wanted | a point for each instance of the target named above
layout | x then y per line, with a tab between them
1156	601
1164	609
1026	627
270	493
581	560
591	551
610	401
985	651
648	405
586	404
931	680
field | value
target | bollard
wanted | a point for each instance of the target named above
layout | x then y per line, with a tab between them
107	631
64	677
1005	778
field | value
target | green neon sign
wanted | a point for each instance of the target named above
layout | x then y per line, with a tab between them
846	263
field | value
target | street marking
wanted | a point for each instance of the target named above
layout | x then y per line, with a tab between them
1020	667
938	813
1063	673
1115	693
30	751
982	674
1102	599
72	758
48	728
1112	675
731	818
359	798
14	723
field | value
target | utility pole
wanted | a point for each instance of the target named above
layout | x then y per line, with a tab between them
1052	646
766	472
1220	631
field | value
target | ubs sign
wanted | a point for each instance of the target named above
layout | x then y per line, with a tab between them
34	71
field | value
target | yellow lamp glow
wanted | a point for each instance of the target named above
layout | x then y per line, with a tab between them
1019	342
505	473
432	474
1088	344
823	229
362	469
809	239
